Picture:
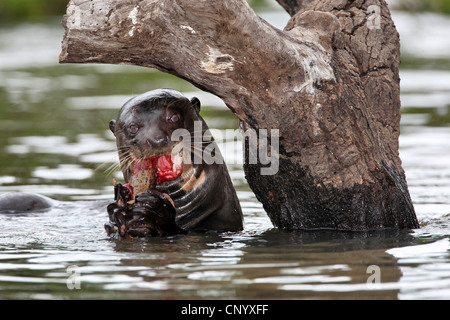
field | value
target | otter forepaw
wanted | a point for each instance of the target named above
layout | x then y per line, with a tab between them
151	214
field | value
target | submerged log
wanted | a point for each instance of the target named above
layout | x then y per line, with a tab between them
329	83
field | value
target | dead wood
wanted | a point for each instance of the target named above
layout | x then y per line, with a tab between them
329	82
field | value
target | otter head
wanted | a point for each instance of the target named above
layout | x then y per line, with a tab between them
145	125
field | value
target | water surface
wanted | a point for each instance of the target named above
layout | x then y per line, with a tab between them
54	140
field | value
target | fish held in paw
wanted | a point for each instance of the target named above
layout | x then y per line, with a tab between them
201	195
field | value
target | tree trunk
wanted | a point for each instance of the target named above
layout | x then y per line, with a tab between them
329	82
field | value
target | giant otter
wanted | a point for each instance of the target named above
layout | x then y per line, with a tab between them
179	194
21	202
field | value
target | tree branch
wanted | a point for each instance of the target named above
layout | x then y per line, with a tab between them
328	82
210	43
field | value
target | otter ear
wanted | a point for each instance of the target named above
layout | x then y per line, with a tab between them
196	104
112	126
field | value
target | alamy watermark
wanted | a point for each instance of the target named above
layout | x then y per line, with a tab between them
374	18
73	280
202	148
374	280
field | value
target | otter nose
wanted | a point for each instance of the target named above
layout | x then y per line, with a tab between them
157	141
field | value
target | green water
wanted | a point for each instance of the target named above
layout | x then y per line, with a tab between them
54	140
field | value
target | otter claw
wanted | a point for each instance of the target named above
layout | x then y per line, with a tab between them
151	213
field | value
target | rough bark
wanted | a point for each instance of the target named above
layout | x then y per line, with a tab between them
329	82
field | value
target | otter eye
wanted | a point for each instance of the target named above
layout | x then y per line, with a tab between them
173	118
133	129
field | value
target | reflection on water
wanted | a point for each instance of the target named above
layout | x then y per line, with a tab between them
54	140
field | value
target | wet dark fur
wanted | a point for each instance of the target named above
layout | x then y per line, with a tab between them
203	194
